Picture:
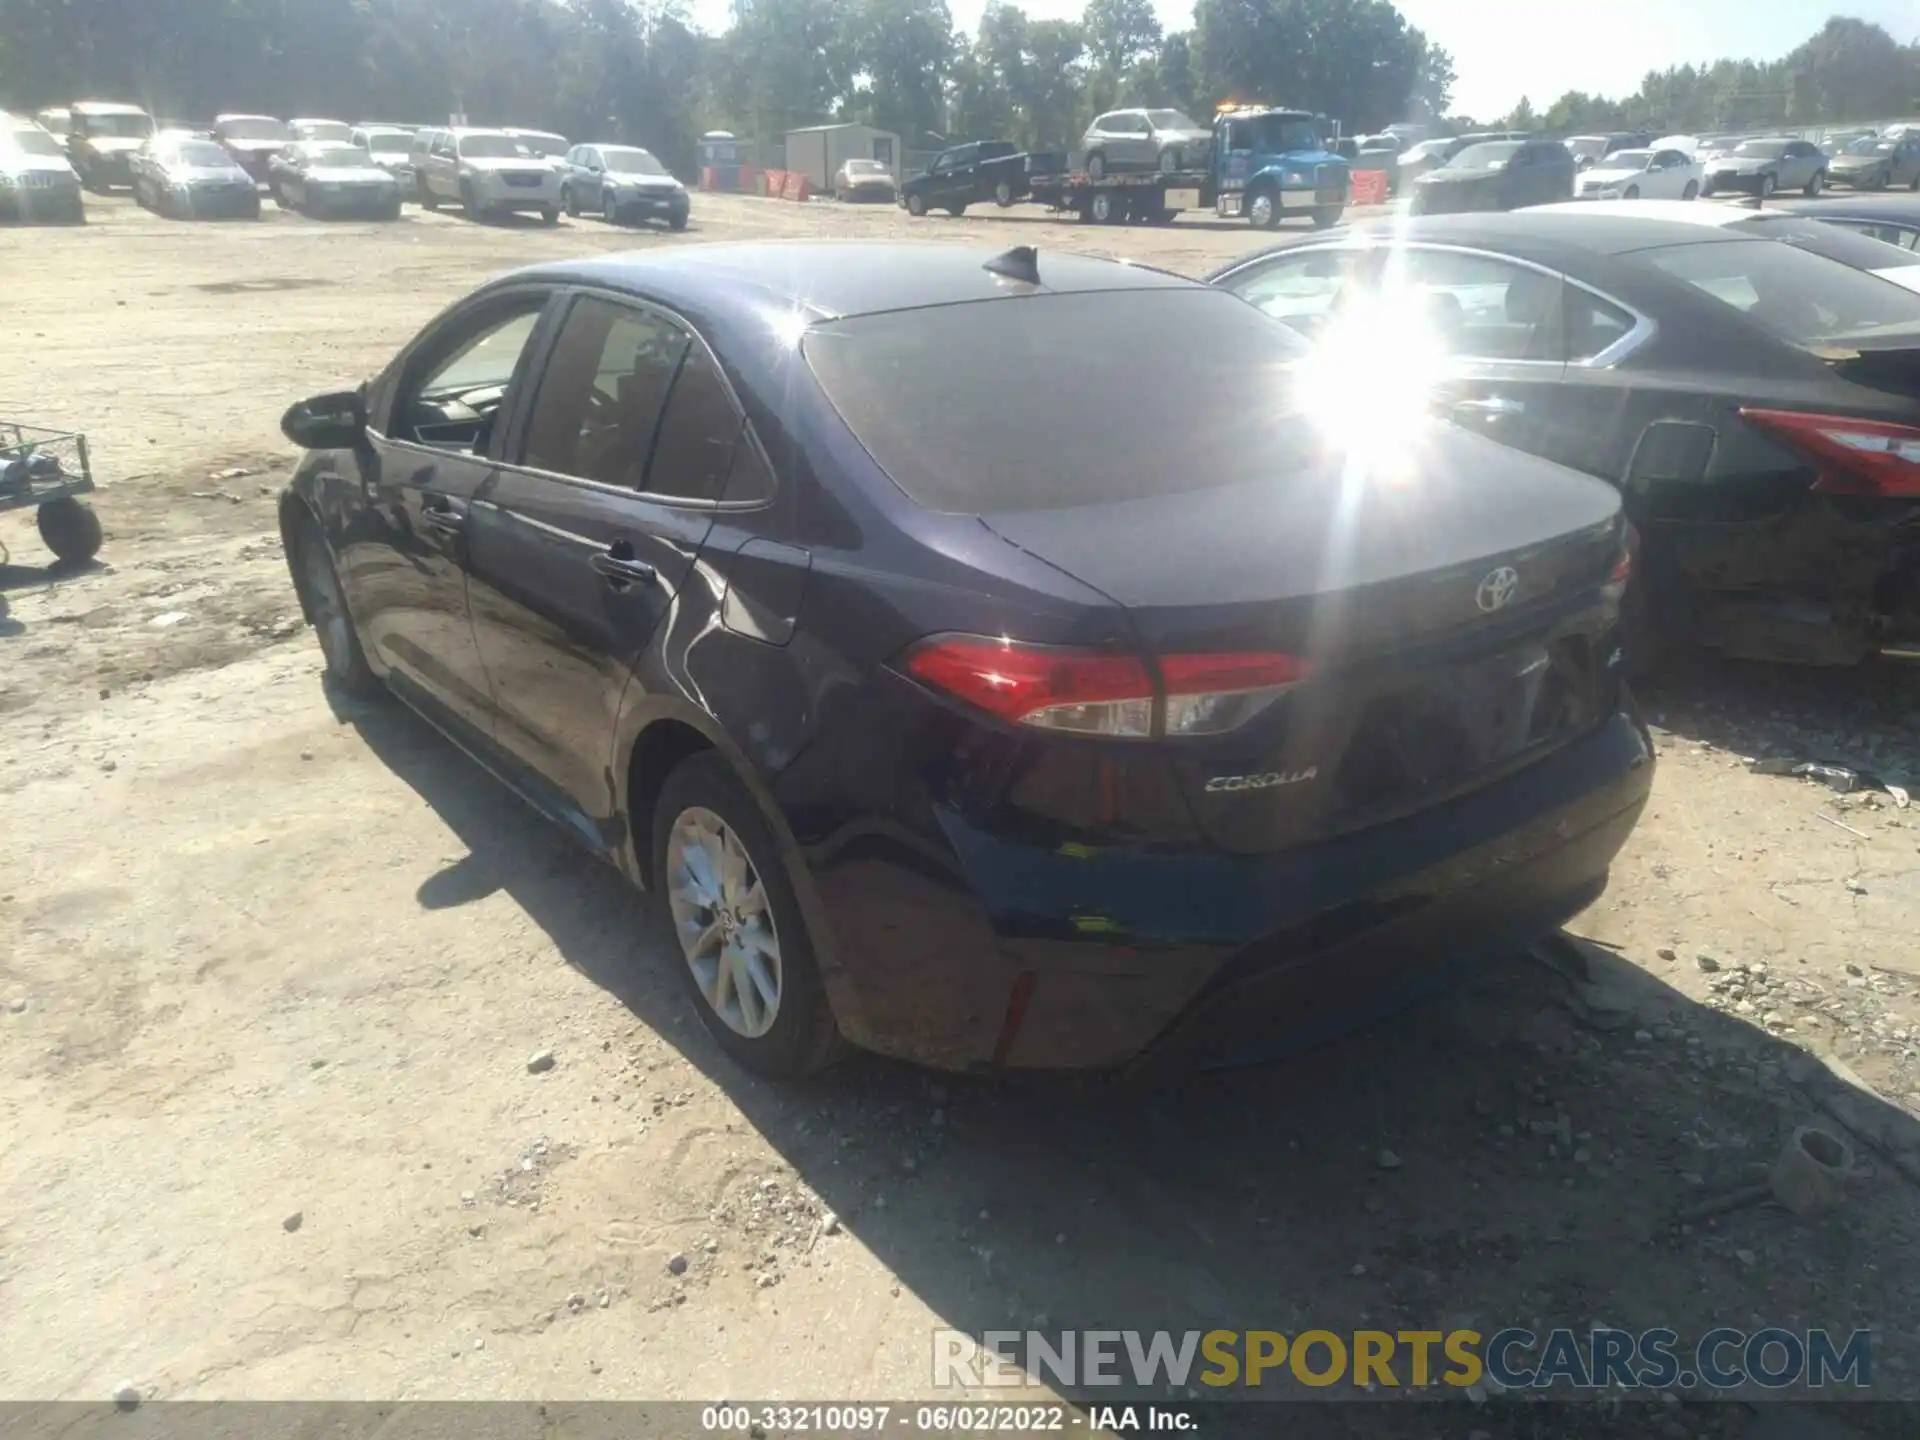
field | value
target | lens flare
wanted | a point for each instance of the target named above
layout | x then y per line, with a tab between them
1373	376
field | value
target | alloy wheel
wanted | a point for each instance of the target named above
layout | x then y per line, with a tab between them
725	926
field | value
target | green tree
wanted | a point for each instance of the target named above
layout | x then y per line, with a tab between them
1356	60
904	51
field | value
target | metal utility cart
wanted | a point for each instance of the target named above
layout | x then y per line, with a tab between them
48	469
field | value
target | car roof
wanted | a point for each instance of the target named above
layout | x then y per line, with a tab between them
1891	208
103	107
1706	213
836	278
1553	236
243	115
314	120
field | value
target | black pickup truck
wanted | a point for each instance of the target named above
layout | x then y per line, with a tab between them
975	173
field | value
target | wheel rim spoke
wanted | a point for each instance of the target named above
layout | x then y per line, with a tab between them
724	922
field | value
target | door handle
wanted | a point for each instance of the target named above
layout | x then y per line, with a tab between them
619	570
439	513
1492	405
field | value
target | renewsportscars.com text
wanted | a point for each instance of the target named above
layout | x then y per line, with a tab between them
1512	1359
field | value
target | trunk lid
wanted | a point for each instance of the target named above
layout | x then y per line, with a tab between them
1453	623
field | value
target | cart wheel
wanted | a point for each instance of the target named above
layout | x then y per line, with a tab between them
70	529
325	604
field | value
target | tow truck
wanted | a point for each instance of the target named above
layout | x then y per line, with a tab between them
1265	163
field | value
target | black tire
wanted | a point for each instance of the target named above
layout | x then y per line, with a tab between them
1816	184
916	206
570	202
1003	194
468	203
609	207
392	212
803	1038
549	214
323	602
70	529
957	209
1169	161
1692	192
1632	193
1766	186
1327	216
428	200
280	197
677	220
1104	209
1096	165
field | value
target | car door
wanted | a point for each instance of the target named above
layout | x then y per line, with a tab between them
1501	325
1906	161
432	440
441	179
1798	164
582	544
1664	178
956	182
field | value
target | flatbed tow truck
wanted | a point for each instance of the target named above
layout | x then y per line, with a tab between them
1266	164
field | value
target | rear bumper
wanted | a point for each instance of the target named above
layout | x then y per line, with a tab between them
236	204
62	205
1005	954
643	206
369	203
497	194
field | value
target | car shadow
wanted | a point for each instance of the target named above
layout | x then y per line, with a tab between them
1543	1146
1866	715
41	577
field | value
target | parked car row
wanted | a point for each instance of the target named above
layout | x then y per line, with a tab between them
326	167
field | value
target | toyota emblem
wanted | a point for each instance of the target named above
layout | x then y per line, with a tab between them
1497	589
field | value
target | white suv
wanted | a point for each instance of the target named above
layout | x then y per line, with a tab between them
487	172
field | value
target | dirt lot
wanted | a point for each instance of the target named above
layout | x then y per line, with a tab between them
259	960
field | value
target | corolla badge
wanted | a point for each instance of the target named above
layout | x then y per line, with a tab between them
1497	589
1228	783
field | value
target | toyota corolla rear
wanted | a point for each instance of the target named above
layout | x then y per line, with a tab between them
1196	732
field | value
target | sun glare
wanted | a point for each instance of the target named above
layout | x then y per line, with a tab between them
1373	374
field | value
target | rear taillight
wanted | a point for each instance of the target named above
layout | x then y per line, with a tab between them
1856	457
1629	548
1088	692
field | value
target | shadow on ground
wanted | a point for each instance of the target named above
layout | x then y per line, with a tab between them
1519	1153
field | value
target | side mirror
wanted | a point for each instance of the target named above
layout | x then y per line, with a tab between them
326	422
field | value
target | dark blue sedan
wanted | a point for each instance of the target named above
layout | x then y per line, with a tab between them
988	658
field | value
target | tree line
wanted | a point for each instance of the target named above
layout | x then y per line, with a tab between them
637	71
1847	71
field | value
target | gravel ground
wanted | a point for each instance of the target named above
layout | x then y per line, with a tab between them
271	976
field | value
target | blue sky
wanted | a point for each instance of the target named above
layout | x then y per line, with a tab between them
1503	49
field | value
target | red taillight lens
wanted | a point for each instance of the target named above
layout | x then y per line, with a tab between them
1856	457
1086	692
1629	548
1055	689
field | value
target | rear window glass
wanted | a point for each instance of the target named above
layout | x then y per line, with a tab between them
1053	401
1805	299
1862	252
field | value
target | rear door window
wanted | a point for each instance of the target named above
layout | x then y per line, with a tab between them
1804	298
701	426
1301	289
948	400
600	398
1483	307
